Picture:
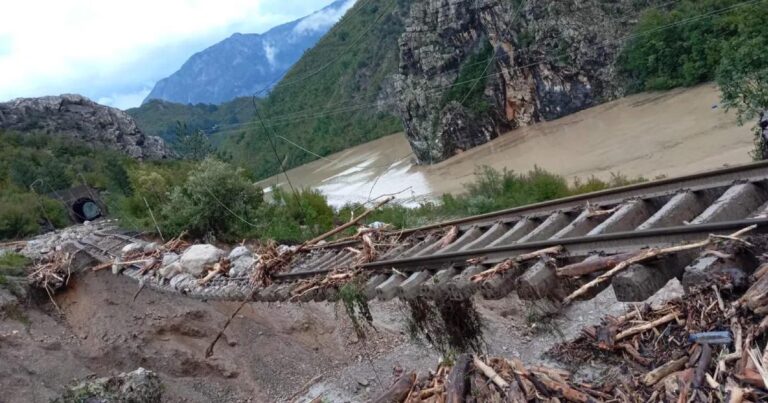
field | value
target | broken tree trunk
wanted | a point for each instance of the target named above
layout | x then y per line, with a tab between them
456	384
398	391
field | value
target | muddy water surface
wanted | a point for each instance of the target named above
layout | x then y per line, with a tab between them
664	133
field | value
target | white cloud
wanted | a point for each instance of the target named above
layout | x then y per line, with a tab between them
105	47
323	19
125	100
270	52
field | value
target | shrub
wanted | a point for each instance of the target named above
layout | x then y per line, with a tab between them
22	214
216	199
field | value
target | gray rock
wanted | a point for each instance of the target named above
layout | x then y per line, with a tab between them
151	247
241	266
139	386
238	252
117	266
169	258
171	270
132	248
198	257
7	300
442	36
182	281
80	118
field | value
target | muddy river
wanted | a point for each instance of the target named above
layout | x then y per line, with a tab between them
652	134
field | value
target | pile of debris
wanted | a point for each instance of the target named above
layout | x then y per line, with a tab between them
140	385
709	346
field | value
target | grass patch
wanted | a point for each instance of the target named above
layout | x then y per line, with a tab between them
12	265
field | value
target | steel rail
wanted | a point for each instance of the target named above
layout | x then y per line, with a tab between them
611	242
653	188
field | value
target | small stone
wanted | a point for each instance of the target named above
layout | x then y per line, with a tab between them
363	382
151	247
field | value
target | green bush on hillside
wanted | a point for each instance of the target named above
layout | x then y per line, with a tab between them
22	214
215	199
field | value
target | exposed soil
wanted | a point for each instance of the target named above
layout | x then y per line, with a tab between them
270	352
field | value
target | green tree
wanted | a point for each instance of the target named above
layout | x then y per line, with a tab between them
192	144
216	199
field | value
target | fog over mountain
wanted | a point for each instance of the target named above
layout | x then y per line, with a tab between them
244	64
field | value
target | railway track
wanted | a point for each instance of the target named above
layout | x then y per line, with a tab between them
420	261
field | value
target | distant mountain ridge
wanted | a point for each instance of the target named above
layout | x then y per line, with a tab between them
243	64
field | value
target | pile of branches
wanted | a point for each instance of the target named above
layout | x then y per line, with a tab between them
473	379
710	346
51	273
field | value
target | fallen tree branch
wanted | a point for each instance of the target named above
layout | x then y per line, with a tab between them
594	265
647	326
341	228
490	373
510	263
266	269
650	253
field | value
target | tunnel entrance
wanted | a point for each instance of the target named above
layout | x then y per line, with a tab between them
85	209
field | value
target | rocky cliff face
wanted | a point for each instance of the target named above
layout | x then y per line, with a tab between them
545	59
80	118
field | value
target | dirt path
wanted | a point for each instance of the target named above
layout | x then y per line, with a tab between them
667	133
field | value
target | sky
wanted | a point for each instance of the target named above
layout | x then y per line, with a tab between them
114	51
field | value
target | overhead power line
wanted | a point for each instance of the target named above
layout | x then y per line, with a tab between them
354	106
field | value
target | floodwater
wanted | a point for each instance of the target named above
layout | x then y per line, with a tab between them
669	133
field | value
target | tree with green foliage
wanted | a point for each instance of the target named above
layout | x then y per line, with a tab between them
216	199
192	144
704	40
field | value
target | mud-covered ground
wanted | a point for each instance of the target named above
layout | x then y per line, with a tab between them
270	352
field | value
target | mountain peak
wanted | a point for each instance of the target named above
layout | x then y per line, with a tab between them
245	64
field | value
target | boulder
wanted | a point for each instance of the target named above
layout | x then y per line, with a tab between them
141	385
169	271
198	257
238	252
7	300
169	258
241	266
132	248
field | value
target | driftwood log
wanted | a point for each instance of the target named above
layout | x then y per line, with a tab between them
456	385
398	391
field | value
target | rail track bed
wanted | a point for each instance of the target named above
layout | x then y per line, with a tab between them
438	261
